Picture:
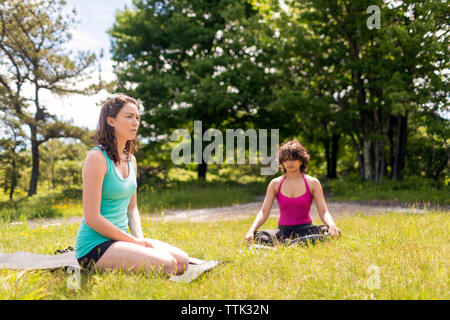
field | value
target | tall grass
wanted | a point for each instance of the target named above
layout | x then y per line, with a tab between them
409	251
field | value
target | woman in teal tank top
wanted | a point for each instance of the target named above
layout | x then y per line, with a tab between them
109	201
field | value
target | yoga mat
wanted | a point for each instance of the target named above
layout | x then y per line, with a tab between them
22	260
261	247
195	269
305	240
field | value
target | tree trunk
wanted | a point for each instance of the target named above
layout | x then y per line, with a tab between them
382	151
334	153
400	147
367	144
359	156
366	128
201	170
52	170
13	179
379	160
35	162
5	185
326	145
390	134
39	116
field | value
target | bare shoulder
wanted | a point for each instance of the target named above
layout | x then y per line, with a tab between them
275	183
277	179
95	155
95	160
312	181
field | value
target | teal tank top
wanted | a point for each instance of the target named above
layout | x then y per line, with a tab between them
116	195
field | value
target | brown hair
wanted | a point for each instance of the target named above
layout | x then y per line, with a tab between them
105	133
293	150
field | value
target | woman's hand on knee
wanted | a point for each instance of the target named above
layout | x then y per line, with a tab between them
144	242
249	236
333	231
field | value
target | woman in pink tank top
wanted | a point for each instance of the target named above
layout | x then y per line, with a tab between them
294	193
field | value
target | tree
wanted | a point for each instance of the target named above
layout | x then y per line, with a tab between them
368	84
32	55
12	147
190	60
62	162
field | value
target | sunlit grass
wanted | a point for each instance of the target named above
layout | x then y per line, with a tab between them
410	251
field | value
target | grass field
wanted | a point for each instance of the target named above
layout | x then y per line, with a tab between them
389	256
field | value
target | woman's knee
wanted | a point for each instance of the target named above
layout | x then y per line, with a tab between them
181	257
170	265
162	262
176	263
182	262
130	257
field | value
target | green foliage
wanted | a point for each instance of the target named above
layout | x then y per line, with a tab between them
190	60
428	158
12	152
338	77
62	162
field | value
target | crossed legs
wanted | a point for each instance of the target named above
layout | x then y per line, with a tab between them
128	256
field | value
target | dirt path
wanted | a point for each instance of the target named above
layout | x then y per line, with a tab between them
241	211
337	210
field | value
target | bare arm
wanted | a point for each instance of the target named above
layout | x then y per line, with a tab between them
134	218
93	173
263	214
322	208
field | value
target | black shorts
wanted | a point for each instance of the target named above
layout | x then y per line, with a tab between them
89	260
280	235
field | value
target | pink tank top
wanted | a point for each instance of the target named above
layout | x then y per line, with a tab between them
294	211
